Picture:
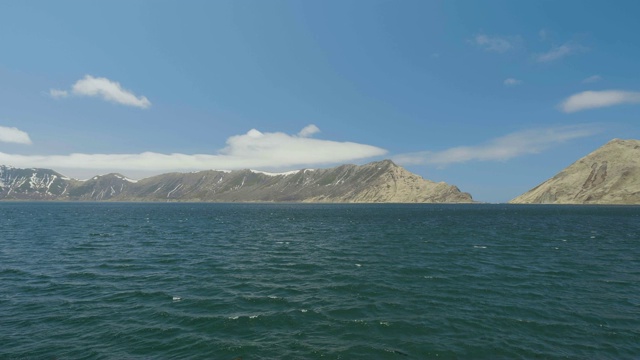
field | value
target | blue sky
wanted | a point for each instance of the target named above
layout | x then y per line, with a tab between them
494	96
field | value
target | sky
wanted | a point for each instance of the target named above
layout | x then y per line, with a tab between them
494	97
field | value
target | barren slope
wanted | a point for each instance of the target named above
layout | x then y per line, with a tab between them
381	181
609	175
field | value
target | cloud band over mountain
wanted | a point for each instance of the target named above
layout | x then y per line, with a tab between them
253	149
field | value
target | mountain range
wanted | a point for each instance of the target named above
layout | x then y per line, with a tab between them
376	182
608	175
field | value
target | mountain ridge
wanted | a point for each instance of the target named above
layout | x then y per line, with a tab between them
608	175
381	181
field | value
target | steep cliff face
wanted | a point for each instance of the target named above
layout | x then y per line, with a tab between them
381	181
609	175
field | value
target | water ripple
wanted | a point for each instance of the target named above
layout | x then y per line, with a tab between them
103	281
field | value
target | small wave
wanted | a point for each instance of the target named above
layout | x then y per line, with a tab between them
398	352
83	275
101	234
12	271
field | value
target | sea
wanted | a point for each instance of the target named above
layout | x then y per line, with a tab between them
318	281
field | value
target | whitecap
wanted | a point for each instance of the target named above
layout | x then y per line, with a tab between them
358	265
177	298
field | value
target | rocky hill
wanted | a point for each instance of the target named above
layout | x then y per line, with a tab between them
609	175
381	181
34	184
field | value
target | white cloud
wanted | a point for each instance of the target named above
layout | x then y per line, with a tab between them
512	82
56	94
597	99
558	52
308	131
14	135
592	79
108	90
493	43
254	149
104	88
502	148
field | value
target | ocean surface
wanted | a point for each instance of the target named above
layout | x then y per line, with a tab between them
307	281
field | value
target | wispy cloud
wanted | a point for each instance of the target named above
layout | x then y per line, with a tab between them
14	135
592	79
497	44
597	99
558	52
500	149
57	94
512	82
103	88
253	149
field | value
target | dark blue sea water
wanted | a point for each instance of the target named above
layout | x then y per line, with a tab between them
294	281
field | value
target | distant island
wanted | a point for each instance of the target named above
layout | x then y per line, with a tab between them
376	182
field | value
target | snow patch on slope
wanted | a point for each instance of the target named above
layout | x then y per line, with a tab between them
275	174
